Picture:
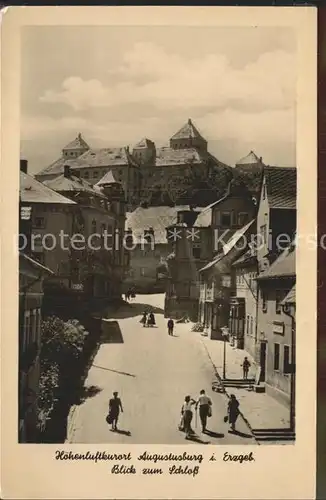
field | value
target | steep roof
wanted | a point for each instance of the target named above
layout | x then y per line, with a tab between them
159	218
144	143
281	185
231	243
283	266
105	157
204	219
291	297
34	263
250	159
188	131
168	156
108	178
33	191
71	184
78	143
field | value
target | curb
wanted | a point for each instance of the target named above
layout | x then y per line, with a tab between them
226	392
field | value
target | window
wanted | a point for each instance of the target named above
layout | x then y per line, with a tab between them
278	300
103	227
226	219
39	222
71	153
264	301
247	325
286	360
196	251
93	226
86	175
276	357
263	234
251	325
95	174
143	271
242	218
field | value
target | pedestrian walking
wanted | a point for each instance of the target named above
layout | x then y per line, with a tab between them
170	326
233	411
115	406
144	319
205	409
245	367
187	414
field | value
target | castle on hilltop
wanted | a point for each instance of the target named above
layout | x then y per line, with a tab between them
148	174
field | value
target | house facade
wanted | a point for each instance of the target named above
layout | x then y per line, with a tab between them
275	326
97	262
31	277
149	246
244	303
217	286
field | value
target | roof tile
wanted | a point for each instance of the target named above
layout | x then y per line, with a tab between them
281	184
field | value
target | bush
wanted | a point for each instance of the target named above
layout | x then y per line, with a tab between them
61	352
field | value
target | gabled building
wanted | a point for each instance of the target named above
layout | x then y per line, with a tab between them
276	217
276	340
204	233
217	285
97	264
49	215
250	163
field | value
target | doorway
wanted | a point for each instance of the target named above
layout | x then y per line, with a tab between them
263	350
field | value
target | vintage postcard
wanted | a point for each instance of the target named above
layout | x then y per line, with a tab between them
159	252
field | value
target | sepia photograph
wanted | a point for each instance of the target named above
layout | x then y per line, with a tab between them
157	235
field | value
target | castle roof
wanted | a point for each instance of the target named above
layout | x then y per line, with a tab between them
168	156
188	131
78	143
250	159
33	191
144	143
281	185
105	157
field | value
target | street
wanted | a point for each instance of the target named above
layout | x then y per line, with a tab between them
153	373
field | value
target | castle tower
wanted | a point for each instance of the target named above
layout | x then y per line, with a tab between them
75	148
188	137
145	152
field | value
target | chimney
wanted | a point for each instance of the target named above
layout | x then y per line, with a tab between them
23	166
66	171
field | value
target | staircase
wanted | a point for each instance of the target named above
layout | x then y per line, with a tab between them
239	383
274	435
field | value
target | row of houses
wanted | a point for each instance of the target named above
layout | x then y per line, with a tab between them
232	268
53	215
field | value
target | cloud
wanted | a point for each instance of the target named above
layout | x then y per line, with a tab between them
149	75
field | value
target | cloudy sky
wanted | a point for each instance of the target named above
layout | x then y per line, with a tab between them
116	85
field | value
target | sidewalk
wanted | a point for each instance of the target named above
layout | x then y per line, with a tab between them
259	409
